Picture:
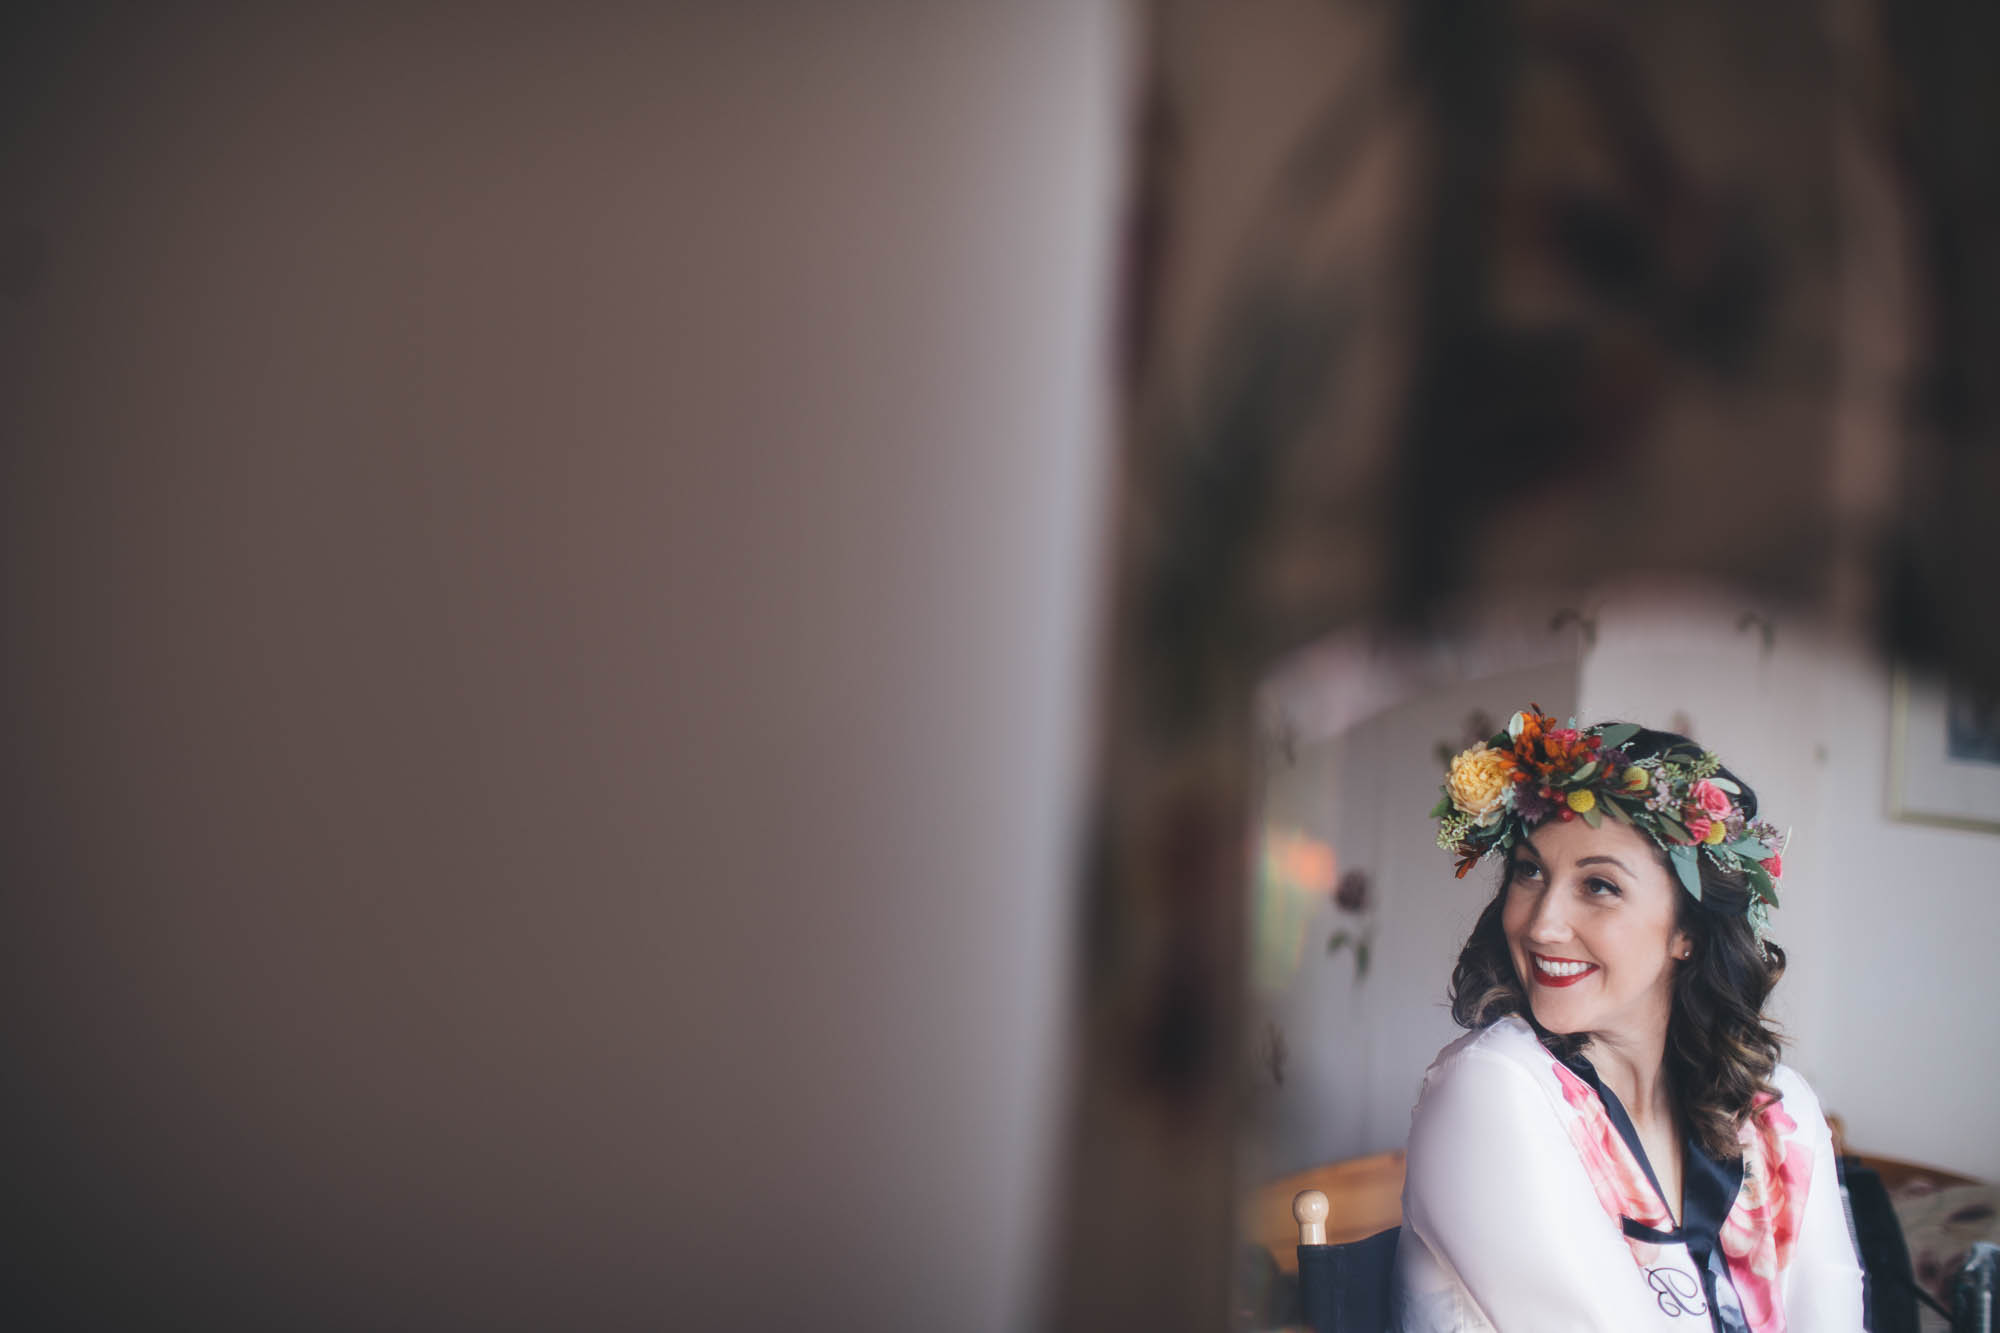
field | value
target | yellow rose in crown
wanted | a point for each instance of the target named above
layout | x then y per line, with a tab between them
1479	779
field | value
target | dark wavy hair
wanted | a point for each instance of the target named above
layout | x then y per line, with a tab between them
1720	1048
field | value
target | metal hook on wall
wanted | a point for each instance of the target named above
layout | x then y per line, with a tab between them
1586	625
1767	632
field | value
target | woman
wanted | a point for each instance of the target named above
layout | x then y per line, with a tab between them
1614	1146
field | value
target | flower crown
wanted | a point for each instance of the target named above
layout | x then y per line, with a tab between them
1498	790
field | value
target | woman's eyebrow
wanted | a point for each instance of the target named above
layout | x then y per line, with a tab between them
1596	860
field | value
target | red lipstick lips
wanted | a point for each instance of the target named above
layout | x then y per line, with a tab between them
1542	978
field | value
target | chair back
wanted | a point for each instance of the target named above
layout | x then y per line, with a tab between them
1342	1288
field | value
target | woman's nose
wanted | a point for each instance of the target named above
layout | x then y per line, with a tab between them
1549	921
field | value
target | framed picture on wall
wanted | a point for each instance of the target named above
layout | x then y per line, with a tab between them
1944	754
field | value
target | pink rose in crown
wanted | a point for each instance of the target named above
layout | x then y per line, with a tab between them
1711	798
1565	736
1775	863
1698	827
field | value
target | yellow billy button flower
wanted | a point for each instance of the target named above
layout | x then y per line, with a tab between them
1635	778
1716	833
1582	800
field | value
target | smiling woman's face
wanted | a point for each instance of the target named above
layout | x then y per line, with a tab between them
1589	919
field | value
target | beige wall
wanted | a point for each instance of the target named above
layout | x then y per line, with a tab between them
1890	1003
1356	1053
1890	998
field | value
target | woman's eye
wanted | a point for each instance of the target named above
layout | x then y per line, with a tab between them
1601	888
1527	870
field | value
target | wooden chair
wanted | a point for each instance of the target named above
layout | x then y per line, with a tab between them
1342	1288
1364	1196
1335	1226
1326	1240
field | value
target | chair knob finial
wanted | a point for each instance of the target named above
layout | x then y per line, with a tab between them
1309	1209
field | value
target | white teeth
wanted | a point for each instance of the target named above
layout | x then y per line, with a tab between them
1561	969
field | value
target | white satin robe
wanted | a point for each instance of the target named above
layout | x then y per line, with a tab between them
1510	1212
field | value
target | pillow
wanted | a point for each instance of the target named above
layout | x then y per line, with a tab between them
1940	1225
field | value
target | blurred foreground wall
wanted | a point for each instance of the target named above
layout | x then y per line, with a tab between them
546	598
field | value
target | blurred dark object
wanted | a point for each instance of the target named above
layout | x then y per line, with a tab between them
1346	1288
1973	1290
1272	1053
1354	895
1599	267
1266	1296
1447	300
1943	111
1891	1285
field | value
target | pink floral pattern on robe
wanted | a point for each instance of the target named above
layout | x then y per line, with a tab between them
1621	1183
1763	1225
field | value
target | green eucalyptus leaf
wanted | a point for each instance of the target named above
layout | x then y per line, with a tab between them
1442	808
1762	884
1592	818
1578	778
1727	785
1616	810
1676	829
1683	860
1616	736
